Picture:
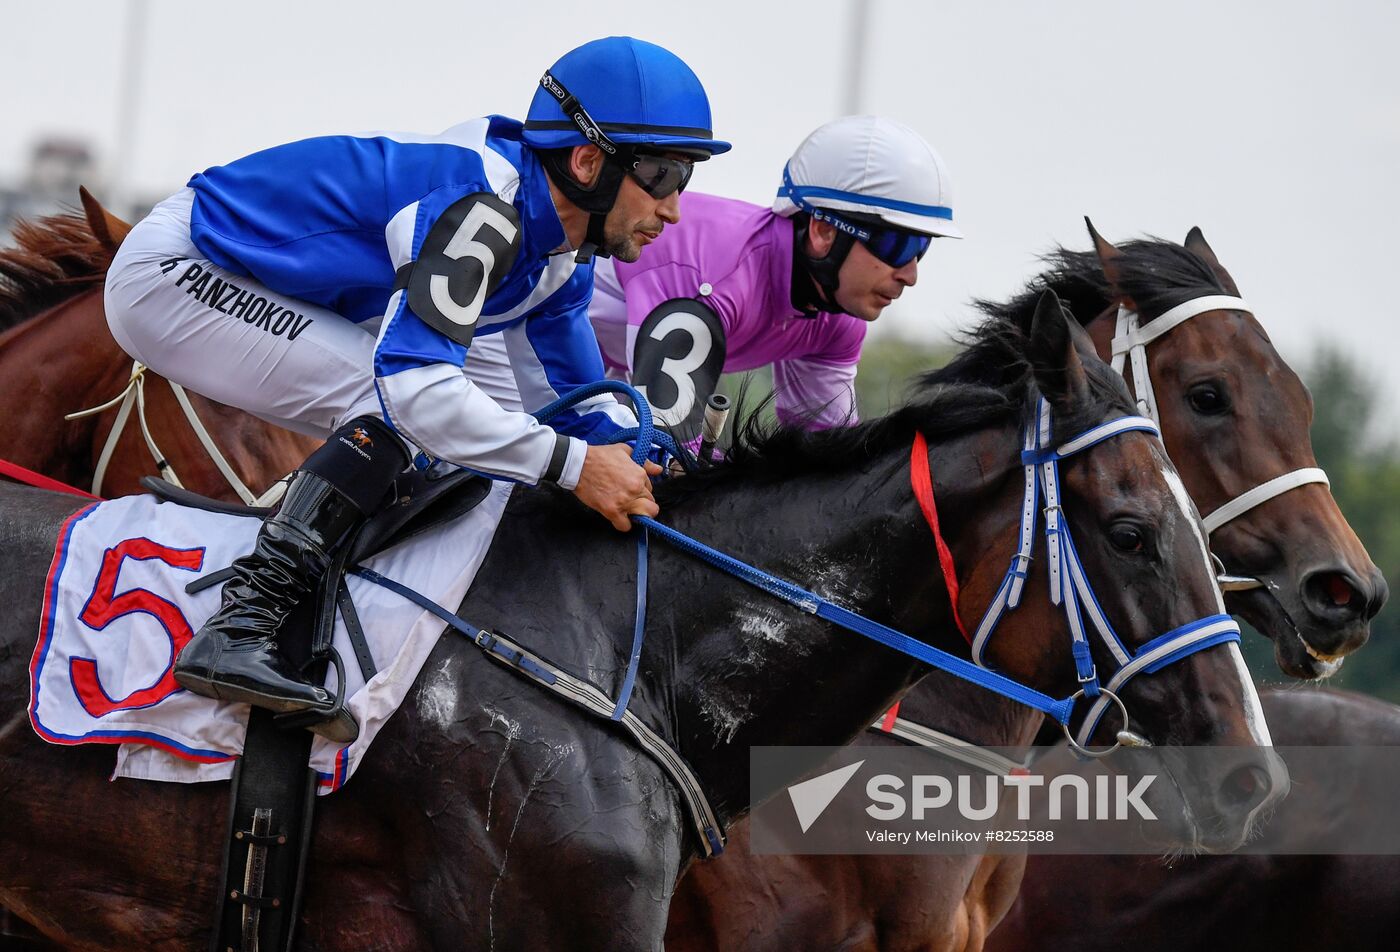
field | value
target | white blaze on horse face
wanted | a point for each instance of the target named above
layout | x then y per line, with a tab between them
1183	500
1253	711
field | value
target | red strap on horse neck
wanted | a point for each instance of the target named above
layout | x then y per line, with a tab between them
922	481
31	478
887	725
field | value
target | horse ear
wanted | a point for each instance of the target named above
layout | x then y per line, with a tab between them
1056	345
1196	244
106	227
1110	259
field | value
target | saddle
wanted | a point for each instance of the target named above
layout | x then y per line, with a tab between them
273	790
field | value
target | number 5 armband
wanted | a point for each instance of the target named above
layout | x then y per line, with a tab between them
464	257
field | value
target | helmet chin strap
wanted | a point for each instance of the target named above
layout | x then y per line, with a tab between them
593	239
597	199
825	271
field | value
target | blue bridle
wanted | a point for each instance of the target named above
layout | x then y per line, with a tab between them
1069	587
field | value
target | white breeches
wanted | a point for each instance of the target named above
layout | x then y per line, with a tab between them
233	340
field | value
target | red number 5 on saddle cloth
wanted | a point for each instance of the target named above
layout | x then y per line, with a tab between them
116	613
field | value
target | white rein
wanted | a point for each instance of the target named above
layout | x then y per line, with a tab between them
134	394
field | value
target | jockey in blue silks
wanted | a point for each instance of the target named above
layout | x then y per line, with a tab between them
335	285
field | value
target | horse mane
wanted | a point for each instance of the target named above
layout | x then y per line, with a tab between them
54	258
990	383
1156	274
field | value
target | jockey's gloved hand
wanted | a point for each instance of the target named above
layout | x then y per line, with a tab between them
614	486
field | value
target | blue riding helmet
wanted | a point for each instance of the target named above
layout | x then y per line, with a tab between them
637	93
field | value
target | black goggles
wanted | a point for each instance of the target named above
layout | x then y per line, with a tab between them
894	246
658	175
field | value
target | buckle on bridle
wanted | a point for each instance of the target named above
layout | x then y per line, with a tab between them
1125	737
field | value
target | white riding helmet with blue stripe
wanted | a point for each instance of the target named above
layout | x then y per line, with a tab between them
873	168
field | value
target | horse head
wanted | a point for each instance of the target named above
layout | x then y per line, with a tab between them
1235	417
57	357
1155	632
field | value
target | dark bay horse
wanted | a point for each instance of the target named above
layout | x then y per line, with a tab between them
57	357
1249	903
1233	416
490	815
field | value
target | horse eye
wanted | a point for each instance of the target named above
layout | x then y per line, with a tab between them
1126	538
1208	398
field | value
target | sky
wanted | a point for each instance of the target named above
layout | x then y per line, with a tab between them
1273	126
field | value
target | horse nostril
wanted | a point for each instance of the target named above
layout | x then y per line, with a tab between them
1340	592
1246	787
1338	595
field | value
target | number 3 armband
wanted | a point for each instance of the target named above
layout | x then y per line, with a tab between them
677	361
464	257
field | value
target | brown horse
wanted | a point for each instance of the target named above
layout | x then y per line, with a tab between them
1239	426
57	357
1248	903
1233	416
491	815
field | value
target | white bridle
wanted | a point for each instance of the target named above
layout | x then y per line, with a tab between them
1130	342
134	394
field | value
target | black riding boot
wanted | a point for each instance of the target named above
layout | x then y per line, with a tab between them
234	657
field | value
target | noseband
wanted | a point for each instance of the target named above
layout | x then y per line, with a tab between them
1130	343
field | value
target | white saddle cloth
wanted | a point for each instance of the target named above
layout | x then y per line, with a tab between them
116	612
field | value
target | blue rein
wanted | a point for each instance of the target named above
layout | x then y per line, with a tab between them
814	604
789	592
1067	580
